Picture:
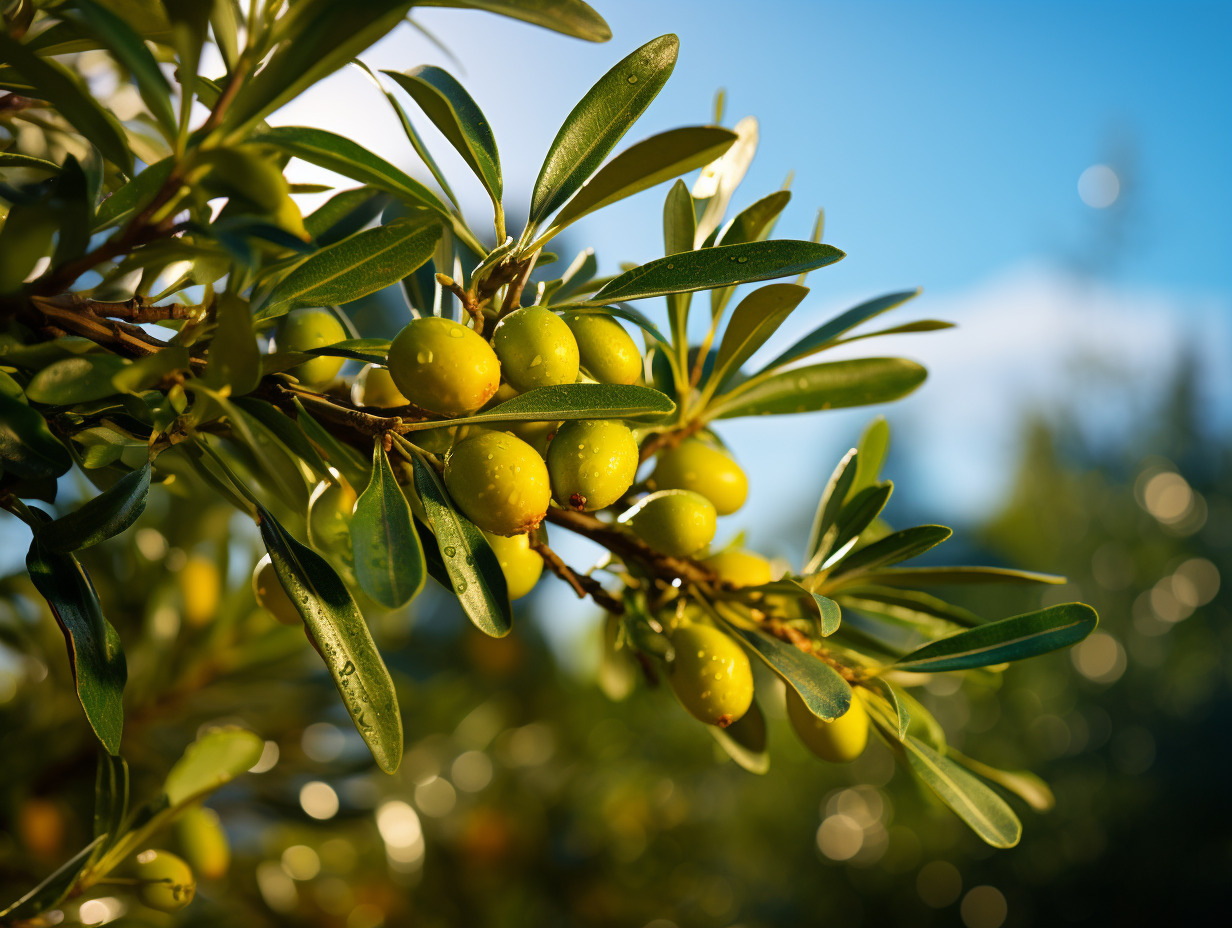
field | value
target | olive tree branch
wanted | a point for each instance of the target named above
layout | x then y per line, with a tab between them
582	584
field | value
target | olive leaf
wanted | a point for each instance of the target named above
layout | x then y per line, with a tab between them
756	318
217	757
389	560
574	401
98	519
571	17
744	740
826	334
27	447
341	637
834	385
988	815
76	380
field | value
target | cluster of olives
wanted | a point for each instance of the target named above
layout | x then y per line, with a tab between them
504	479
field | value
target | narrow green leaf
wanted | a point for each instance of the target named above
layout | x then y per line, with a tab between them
576	276
63	89
826	334
1012	639
189	20
27	447
679	228
907	328
576	401
623	312
571	17
12	159
902	714
342	457
225	26
133	196
217	757
858	514
899	546
955	576
717	267
753	224
234	360
364	263
345	213
984	811
283	428
369	350
110	801
94	650
341	637
100	518
340	154
645	164
459	119
472	568
744	740
756	318
1022	783
834	385
912	606
389	560
828	508
131	51
826	694
146	372
599	121
51	891
76	380
828	610
874	443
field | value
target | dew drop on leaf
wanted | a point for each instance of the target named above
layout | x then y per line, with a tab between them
450	551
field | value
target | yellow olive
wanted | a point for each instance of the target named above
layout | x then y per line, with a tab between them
302	329
499	482
607	351
536	349
200	590
375	387
329	516
740	568
840	741
695	465
270	594
535	434
521	565
710	674
443	366
592	463
674	522
204	842
168	883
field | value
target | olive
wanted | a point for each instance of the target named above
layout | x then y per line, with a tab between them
592	463
673	522
375	387
840	741
698	466
606	350
329	516
302	329
535	434
200	590
270	594
521	565
443	366
204	842
498	481
710	674
740	568
167	881
536	349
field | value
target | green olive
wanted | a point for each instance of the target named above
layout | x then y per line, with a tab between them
499	482
740	568
840	741
443	366
695	465
592	463
302	329
204	842
535	434
329	516
375	387
521	565
606	350
673	522
167	881
536	349
270	594
710	674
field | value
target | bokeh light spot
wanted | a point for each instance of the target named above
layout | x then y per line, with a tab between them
1098	186
939	884
984	907
1100	658
840	837
319	800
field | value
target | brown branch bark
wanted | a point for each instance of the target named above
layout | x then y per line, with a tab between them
582	584
628	546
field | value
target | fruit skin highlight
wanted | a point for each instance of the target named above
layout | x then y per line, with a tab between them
840	741
592	463
673	522
204	842
302	329
169	880
607	351
521	565
710	675
443	366
271	596
740	568
329	517
499	482
374	386
536	349
698	466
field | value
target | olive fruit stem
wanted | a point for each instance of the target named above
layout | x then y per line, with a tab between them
473	307
582	584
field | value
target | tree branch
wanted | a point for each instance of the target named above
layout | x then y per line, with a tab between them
582	584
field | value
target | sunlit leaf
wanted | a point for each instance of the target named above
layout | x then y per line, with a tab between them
216	758
389	560
756	318
834	385
100	518
572	17
826	334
